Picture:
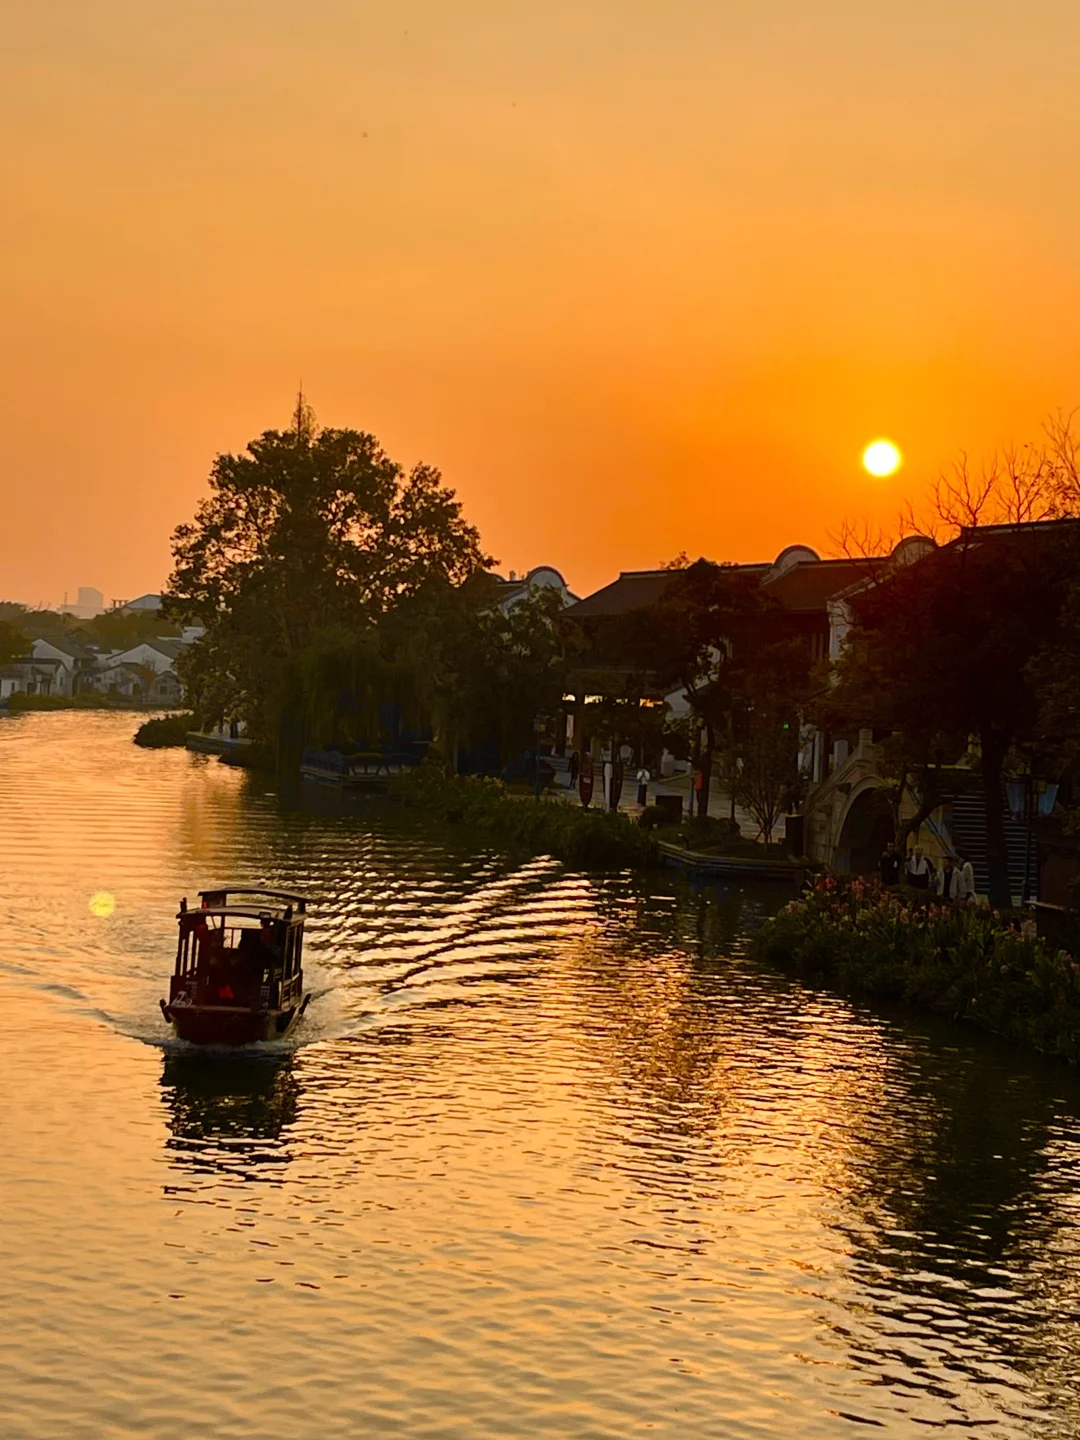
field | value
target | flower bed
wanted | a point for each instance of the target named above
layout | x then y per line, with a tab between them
590	838
977	965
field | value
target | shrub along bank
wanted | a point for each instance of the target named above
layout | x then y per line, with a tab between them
591	838
977	965
164	730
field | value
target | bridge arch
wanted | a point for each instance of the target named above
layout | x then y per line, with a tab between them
865	829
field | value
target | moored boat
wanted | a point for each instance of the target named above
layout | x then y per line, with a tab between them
238	976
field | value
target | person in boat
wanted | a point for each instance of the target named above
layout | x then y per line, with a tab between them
272	935
211	943
216	963
219	970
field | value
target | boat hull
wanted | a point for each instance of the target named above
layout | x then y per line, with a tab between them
229	1024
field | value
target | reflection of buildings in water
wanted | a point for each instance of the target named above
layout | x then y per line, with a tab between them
968	1226
936	1217
670	1040
229	1114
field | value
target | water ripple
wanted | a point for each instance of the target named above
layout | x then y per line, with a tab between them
547	1155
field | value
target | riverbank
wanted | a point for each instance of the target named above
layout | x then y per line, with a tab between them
21	703
597	839
979	966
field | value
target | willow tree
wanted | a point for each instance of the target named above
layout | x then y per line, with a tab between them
307	531
480	673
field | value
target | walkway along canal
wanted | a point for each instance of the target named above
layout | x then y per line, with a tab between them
550	1155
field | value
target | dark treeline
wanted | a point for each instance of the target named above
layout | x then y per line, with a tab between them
334	585
20	626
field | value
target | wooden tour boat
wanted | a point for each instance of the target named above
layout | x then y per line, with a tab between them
238	975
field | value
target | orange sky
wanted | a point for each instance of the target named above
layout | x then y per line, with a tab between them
639	277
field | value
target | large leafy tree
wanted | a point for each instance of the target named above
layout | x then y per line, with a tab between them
307	530
117	631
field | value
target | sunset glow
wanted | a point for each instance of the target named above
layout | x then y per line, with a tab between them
591	261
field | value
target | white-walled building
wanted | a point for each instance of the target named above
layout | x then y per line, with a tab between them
71	658
32	677
512	592
141	605
157	655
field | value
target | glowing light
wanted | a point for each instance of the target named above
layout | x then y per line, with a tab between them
882	458
102	904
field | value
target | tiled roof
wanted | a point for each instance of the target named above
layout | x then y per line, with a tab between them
633	590
805	586
810	584
67	646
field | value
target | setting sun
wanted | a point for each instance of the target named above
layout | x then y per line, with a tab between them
882	458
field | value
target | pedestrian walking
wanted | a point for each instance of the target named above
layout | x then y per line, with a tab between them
574	767
889	864
643	778
965	882
920	869
948	880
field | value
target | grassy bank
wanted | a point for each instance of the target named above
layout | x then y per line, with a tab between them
164	730
707	835
590	838
977	965
20	703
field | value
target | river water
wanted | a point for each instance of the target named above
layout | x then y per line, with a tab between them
548	1156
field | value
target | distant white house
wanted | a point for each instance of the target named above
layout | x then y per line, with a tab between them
141	605
140	683
158	654
71	658
510	593
32	677
60	665
146	672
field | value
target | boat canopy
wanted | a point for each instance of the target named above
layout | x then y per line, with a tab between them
238	912
221	895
